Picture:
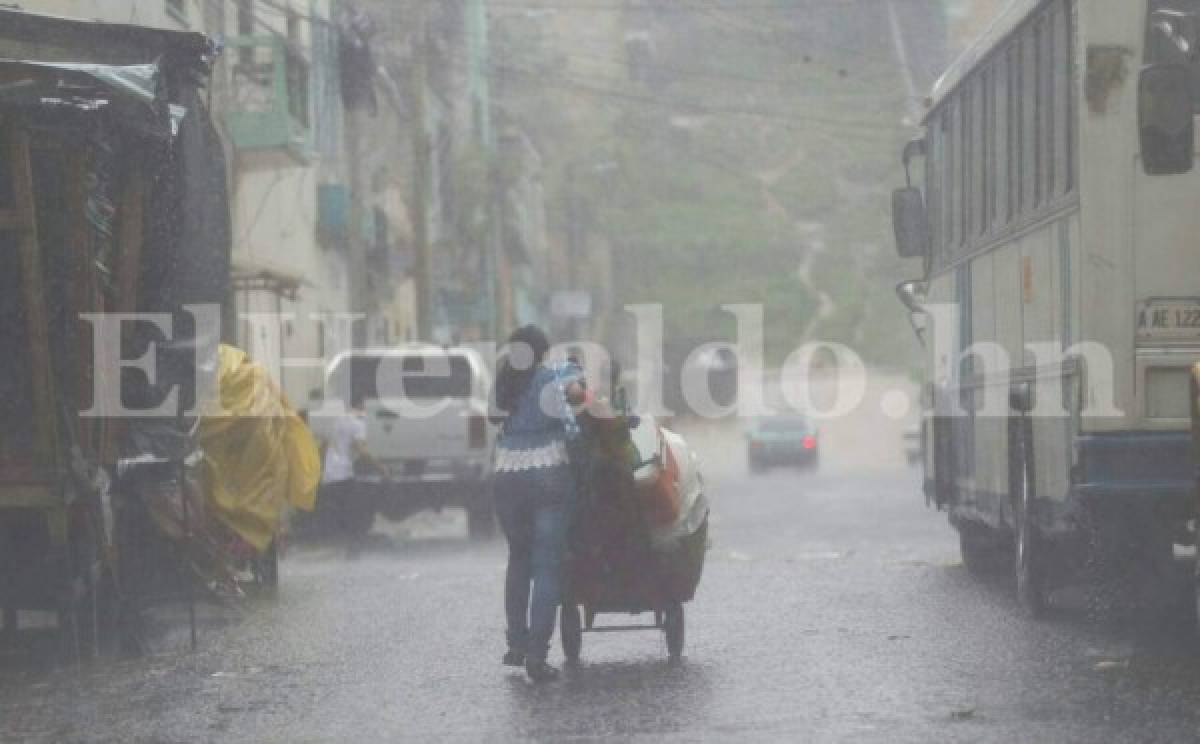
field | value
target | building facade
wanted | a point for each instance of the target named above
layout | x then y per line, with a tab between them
320	224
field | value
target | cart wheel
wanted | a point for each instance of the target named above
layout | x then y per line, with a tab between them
571	627
673	627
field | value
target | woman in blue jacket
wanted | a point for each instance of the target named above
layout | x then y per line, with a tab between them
534	487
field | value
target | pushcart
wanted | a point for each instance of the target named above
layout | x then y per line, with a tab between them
614	568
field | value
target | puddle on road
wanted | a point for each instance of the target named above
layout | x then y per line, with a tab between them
812	556
919	563
821	555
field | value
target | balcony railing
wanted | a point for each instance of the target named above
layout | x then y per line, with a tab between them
270	105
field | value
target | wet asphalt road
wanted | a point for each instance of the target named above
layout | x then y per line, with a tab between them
833	608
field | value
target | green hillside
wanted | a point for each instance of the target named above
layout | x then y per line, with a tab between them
746	157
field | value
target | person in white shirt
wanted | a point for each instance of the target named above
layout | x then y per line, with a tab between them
347	444
342	496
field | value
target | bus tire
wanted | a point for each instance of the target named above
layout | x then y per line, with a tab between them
1029	550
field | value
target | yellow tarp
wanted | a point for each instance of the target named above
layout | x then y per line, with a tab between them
259	456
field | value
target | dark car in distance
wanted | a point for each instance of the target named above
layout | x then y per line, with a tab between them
782	440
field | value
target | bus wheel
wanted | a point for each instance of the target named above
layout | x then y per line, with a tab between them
1030	558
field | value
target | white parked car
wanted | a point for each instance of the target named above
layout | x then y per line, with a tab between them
426	413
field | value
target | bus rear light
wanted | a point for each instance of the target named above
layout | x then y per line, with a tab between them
810	442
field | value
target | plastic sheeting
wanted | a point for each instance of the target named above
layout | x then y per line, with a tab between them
129	94
664	455
259	457
139	82
693	504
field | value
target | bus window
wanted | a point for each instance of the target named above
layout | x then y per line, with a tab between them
933	186
1029	124
1037	134
949	183
965	162
1014	132
1064	100
979	161
1001	136
1046	74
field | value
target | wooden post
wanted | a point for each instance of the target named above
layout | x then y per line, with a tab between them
131	220
422	152
83	293
17	144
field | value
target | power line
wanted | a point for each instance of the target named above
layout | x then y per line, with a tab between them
770	35
582	85
599	89
592	88
705	74
708	8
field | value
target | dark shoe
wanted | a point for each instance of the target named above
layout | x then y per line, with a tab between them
513	658
539	671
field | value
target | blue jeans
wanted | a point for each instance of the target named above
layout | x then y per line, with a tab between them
534	510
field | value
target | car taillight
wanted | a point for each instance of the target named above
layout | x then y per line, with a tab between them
477	432
810	443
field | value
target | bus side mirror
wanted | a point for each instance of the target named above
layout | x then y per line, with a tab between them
1166	123
910	222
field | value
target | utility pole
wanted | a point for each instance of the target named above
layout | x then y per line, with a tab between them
576	240
359	300
421	179
897	32
480	94
218	104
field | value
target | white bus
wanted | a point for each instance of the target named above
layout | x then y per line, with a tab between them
1071	251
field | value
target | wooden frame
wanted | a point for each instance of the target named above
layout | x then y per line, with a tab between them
16	142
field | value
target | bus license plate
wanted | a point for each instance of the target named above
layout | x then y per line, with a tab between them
1166	320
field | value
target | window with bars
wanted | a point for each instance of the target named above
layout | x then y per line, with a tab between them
271	102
